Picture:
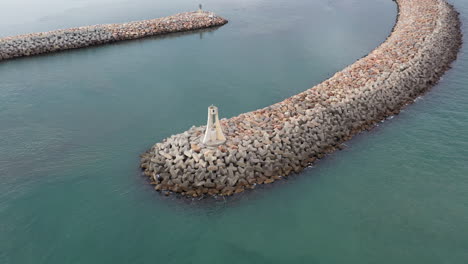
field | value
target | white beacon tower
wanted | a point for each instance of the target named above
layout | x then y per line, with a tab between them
214	134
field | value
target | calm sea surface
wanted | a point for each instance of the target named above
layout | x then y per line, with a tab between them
72	125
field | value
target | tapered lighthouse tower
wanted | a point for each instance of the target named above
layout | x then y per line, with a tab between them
214	134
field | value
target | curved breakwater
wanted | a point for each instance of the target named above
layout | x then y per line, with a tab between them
58	40
270	143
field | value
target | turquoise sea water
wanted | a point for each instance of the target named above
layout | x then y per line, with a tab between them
72	126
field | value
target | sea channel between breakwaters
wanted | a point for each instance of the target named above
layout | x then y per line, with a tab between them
270	143
73	38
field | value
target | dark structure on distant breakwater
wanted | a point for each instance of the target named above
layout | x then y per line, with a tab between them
264	145
38	43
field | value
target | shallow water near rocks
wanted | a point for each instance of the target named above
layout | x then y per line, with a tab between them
72	125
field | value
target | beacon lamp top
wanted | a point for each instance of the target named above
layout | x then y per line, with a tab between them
214	134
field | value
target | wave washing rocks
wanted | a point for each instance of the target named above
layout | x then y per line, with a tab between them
267	144
37	43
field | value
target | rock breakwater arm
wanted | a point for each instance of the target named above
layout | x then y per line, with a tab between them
52	41
267	144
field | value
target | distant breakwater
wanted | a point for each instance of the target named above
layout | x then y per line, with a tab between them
271	143
64	39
